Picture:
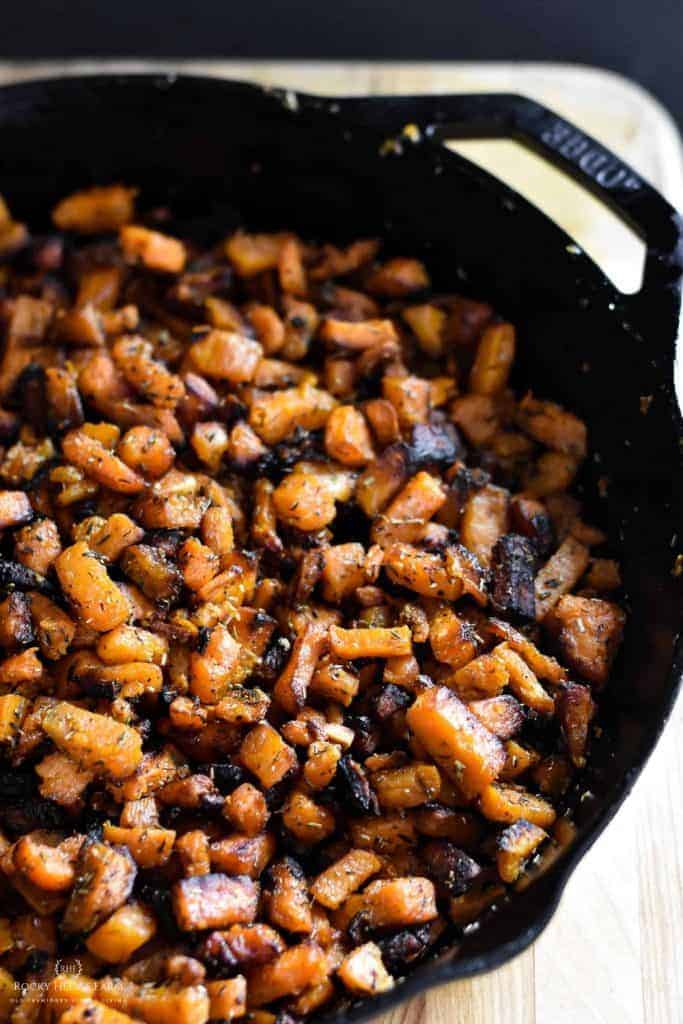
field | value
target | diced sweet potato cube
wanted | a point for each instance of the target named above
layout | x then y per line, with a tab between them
383	419
126	930
304	501
519	760
559	574
251	254
428	322
321	765
309	821
15	509
46	866
359	334
15	622
410	396
151	378
398	277
347	437
13	708
62	780
297	968
150	846
477	417
409	512
508	803
523	682
266	755
275	416
126	644
493	361
407	787
484	676
363	972
25	667
55	630
456	739
104	881
400	902
114	535
226	355
243	855
335	262
85	581
146	450
439	822
425	572
246	809
153	571
501	715
343	571
192	849
588	633
90	1011
551	474
156	250
37	545
375	642
553	426
96	742
453	639
484	521
214	901
543	665
158	1004
576	709
292	685
213	668
287	899
228	998
516	844
345	876
381	480
95	211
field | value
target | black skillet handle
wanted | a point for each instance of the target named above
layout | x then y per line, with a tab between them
443	118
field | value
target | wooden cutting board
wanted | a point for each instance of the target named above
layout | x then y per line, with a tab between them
613	953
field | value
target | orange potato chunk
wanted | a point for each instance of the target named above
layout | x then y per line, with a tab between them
347	437
400	902
96	742
226	355
509	803
156	250
86	583
375	642
334	886
456	739
214	901
588	633
265	753
126	930
363	972
95	210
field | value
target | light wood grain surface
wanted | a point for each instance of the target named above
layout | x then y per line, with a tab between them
613	953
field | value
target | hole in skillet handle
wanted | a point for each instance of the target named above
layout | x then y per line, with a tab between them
635	203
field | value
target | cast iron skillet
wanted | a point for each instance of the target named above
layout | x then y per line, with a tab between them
222	153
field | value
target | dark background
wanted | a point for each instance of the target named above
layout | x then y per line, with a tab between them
641	39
